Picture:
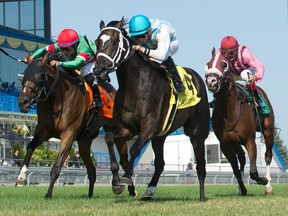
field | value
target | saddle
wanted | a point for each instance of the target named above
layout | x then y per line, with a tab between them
247	95
108	101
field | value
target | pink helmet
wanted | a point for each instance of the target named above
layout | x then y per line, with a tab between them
229	43
67	38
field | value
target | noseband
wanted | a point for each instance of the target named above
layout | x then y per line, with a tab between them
115	60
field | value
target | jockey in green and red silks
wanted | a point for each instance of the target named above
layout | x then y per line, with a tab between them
244	63
80	53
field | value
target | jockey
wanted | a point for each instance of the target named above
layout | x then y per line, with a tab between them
157	39
80	55
243	62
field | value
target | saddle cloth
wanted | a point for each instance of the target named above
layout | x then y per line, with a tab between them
188	97
108	102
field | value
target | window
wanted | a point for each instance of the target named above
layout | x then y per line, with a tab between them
11	15
27	16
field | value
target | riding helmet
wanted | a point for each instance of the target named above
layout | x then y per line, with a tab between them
67	38
229	43
139	25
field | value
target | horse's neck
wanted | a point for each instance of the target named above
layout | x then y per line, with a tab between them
227	98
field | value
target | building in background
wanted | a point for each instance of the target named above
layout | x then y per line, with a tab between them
25	25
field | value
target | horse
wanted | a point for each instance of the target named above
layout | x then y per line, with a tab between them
63	112
235	123
141	106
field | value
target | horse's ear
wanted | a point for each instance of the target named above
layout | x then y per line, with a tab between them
102	24
213	52
120	23
44	60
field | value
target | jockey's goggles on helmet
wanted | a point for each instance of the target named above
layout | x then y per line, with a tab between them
67	49
230	51
140	36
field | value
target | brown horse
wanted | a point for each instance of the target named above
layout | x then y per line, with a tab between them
142	103
235	123
63	112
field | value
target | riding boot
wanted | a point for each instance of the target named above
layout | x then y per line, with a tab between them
260	102
97	101
172	70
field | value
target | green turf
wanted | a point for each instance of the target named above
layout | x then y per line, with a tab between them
169	200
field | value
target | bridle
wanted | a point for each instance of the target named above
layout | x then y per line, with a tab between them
41	90
221	82
116	60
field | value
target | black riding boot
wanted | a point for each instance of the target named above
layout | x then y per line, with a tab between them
97	102
172	70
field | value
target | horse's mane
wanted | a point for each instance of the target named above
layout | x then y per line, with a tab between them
113	23
122	27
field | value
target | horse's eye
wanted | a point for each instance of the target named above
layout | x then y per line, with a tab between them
40	78
114	43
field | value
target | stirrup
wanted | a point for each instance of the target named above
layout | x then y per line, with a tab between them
97	104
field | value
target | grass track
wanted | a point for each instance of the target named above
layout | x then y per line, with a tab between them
169	200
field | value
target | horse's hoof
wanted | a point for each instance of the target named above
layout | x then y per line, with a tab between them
126	181
48	197
269	191
118	189
21	183
147	198
132	191
148	195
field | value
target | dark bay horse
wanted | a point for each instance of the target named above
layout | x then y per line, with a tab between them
235	124
63	112
141	105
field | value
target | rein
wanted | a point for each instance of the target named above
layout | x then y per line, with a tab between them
116	59
225	81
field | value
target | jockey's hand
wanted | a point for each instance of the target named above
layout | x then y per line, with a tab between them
28	59
55	63
138	47
252	79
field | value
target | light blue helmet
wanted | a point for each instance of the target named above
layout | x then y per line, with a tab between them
139	25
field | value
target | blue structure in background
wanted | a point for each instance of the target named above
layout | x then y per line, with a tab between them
9	102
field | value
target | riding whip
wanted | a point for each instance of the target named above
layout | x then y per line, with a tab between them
256	108
19	60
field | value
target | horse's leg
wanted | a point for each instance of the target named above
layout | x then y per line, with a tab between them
135	150
159	163
114	167
252	152
241	157
66	144
231	157
199	149
35	142
120	139
269	140
84	150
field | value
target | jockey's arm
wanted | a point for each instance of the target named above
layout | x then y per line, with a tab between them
163	39
49	48
254	63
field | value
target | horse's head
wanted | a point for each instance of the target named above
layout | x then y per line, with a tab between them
34	80
216	69
112	48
